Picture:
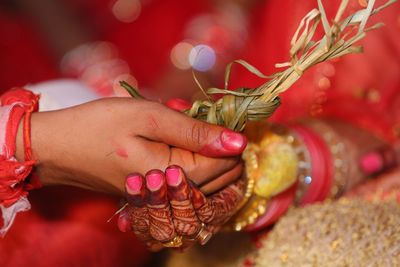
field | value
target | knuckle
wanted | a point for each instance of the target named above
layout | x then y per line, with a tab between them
197	134
153	122
152	118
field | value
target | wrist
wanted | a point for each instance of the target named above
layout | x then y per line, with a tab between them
40	149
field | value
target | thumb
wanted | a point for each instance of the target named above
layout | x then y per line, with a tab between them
179	130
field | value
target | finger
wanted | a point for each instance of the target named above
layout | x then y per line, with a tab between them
218	208
201	169
204	208
222	181
136	213
179	130
131	219
178	104
193	164
124	225
226	202
184	216
161	223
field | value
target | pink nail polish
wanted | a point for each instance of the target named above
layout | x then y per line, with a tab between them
173	176
233	141
371	163
133	183
154	180
228	144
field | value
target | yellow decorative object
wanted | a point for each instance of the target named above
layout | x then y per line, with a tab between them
274	160
277	167
253	209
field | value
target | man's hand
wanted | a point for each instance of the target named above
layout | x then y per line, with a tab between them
96	145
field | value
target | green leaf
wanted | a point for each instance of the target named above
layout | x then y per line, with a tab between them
131	90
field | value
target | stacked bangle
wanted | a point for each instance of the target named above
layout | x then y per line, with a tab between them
16	104
321	171
321	165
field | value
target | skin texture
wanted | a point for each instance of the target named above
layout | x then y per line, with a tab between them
158	211
96	145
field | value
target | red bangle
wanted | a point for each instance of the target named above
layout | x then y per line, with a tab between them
320	184
278	206
15	104
321	165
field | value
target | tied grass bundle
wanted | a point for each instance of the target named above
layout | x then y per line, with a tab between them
237	107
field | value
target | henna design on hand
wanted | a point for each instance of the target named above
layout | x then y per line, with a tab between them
166	206
219	208
184	216
204	208
137	212
161	223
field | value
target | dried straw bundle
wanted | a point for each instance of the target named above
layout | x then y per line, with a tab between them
236	107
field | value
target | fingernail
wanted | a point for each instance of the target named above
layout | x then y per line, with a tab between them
133	183
371	163
123	224
178	104
154	180
233	141
173	175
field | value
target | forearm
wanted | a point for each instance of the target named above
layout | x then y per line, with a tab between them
54	95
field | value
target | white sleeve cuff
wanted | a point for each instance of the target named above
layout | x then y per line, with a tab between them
62	93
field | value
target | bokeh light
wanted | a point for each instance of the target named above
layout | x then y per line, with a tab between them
127	10
202	57
180	55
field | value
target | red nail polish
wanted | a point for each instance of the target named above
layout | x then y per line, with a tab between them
173	175
178	104
233	141
133	183
154	180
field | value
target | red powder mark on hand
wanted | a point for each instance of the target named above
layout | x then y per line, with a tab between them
121	152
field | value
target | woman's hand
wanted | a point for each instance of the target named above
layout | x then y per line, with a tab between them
165	207
96	145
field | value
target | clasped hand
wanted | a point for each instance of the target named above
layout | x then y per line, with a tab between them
97	144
